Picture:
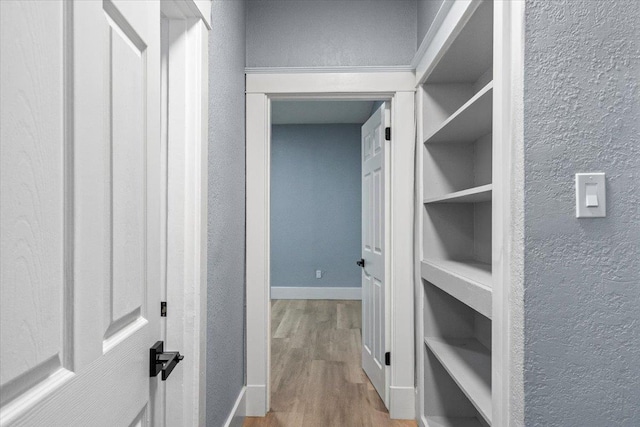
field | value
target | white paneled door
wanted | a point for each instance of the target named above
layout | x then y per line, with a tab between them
373	262
80	212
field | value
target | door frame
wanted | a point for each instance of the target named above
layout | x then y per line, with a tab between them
185	60
396	86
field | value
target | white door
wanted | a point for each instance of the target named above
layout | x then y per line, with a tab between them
374	304
80	224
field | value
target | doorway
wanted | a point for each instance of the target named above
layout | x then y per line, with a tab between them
327	159
263	90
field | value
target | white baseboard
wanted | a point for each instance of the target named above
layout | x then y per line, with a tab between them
282	292
256	401
239	411
403	403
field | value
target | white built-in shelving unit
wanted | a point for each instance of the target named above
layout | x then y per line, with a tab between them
456	146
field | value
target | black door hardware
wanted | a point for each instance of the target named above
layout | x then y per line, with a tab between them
159	360
361	262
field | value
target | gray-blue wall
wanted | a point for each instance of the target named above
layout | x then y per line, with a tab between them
426	13
315	205
303	33
225	298
582	276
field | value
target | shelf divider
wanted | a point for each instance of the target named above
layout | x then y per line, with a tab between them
469	364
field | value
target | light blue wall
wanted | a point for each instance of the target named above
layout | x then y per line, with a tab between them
581	276
225	276
303	33
315	205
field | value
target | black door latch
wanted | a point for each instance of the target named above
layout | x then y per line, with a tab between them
361	262
159	360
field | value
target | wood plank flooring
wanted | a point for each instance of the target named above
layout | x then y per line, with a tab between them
316	374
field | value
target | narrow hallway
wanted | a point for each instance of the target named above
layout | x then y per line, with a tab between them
316	374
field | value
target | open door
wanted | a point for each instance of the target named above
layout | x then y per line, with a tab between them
373	262
80	212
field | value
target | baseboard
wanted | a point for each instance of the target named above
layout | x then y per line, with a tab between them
282	292
403	403
239	411
256	401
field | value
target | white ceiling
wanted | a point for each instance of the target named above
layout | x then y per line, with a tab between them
320	112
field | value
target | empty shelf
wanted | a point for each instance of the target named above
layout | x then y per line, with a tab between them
472	121
469	282
469	364
453	422
472	195
470	50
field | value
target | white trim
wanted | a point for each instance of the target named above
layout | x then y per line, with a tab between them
418	257
320	70
186	205
401	254
399	87
443	36
187	9
239	410
306	84
256	400
399	397
327	292
507	235
257	254
431	33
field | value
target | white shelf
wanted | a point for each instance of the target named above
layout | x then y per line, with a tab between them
469	364
452	422
471	195
469	123
470	52
467	281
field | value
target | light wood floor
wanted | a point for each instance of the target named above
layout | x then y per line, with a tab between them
316	378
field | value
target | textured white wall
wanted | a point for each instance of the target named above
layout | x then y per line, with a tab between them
582	276
303	33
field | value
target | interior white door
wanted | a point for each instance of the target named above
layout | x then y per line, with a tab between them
80	226
374	237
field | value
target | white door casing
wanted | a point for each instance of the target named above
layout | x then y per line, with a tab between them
184	76
374	243
80	223
354	83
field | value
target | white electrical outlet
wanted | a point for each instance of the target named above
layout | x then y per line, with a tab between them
318	274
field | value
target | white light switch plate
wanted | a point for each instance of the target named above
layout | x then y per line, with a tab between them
591	195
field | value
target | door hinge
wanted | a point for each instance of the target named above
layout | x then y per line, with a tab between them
387	358
163	309
387	134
